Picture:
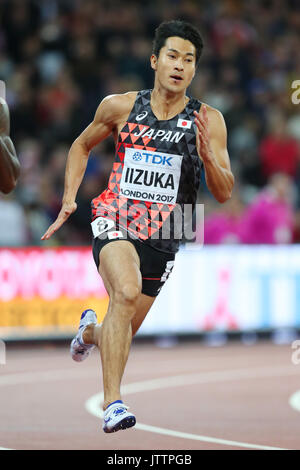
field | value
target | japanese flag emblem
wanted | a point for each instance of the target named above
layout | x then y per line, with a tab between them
184	123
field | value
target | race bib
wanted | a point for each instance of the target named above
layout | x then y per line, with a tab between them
101	225
150	176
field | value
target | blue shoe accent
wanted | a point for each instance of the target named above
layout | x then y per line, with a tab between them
84	313
113	402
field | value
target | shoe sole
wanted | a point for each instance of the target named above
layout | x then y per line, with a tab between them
80	357
124	424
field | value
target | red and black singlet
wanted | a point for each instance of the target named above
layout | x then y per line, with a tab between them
156	168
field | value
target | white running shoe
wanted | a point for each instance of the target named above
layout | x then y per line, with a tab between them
116	417
78	349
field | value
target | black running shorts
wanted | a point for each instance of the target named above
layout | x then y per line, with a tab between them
155	266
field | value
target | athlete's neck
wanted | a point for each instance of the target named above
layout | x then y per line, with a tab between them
166	104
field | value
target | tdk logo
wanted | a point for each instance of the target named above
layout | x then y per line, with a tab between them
137	156
152	158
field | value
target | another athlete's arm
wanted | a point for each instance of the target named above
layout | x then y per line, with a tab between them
9	163
105	120
212	149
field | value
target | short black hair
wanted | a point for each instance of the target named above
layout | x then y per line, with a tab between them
180	28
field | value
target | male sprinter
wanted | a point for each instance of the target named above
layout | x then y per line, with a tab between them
162	140
9	163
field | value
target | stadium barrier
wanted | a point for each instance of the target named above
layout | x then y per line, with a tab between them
214	288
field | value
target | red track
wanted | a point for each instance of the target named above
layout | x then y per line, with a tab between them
234	393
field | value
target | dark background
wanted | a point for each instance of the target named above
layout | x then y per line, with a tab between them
60	58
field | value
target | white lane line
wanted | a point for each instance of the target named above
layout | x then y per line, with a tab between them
71	374
93	404
294	401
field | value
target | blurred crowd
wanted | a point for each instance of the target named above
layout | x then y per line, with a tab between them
60	58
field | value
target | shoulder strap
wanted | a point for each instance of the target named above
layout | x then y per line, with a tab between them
141	104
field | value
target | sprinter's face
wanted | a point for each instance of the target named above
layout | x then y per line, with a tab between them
176	64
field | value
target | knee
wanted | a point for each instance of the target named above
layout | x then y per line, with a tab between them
128	294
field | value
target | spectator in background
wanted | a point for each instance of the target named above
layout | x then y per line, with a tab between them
13	219
59	58
270	217
279	152
223	226
296	233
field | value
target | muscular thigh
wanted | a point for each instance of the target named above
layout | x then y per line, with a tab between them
119	265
